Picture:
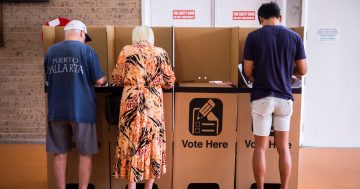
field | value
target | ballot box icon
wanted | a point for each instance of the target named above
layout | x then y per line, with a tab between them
205	116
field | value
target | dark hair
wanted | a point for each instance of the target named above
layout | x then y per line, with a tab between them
268	10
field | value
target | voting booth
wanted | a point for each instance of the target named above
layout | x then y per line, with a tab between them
205	108
164	39
245	139
100	171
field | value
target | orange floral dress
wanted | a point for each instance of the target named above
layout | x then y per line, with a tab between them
143	70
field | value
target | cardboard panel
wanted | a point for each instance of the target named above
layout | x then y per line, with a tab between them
246	142
204	139
123	37
110	30
165	181
234	55
164	39
101	173
203	52
48	37
99	44
299	30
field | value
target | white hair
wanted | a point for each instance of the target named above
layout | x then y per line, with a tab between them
142	33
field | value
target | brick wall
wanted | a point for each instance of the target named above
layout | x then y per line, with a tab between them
22	99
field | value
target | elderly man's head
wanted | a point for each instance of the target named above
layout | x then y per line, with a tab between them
76	30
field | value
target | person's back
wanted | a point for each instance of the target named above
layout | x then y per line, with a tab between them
70	82
143	70
146	66
273	49
72	69
269	57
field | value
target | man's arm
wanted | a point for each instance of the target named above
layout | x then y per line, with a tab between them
300	67
101	81
248	69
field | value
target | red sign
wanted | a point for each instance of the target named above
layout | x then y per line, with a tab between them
243	15
183	14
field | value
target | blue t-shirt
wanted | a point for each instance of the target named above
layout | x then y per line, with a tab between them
71	69
274	50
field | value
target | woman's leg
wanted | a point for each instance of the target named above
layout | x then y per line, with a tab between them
131	185
149	183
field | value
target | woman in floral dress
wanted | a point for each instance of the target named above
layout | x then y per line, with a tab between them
143	70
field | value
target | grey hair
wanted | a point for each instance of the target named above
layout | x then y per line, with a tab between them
142	33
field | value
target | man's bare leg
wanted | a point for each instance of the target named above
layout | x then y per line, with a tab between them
59	165
259	160
85	167
282	146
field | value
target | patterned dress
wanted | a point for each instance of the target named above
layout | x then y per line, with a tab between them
143	70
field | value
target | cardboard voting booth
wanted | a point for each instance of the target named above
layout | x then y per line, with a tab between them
100	173
205	113
164	39
246	141
206	54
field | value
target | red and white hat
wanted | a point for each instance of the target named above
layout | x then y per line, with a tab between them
58	22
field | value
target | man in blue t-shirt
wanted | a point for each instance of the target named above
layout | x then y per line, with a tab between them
269	57
72	70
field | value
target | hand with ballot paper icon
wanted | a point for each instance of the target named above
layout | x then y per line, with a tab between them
205	117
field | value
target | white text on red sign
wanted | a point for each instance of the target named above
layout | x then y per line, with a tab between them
183	14
243	15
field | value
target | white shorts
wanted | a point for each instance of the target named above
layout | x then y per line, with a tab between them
271	111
